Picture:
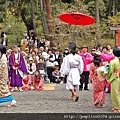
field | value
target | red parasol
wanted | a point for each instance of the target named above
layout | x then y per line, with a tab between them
77	18
119	37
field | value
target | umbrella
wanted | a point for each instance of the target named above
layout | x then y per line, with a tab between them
119	37
77	18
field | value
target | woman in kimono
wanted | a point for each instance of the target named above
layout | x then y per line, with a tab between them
113	77
106	58
38	81
5	95
98	86
72	66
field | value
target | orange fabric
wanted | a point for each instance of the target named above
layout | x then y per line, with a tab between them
13	59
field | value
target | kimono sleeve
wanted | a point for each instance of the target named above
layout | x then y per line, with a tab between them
111	76
3	71
22	65
90	58
91	70
10	61
81	65
107	57
65	67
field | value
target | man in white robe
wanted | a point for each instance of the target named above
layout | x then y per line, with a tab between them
72	66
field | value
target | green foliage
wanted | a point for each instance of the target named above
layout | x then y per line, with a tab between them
15	28
17	18
2	10
102	9
21	10
115	20
104	29
64	33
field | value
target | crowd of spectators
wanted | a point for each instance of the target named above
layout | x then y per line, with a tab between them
43	62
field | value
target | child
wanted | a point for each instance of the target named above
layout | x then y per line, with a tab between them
56	75
38	81
31	70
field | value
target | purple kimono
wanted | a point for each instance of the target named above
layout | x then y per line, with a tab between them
16	79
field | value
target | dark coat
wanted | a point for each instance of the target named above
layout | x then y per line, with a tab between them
6	42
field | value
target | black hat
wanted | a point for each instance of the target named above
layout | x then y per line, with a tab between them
72	46
116	51
3	49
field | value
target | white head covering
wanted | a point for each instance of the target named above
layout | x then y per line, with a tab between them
30	58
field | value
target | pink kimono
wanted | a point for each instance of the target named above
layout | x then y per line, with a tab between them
98	86
106	58
38	83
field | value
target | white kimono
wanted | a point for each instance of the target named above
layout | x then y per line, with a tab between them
72	66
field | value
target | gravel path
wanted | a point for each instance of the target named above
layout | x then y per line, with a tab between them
56	101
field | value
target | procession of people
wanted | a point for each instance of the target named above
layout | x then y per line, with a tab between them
34	63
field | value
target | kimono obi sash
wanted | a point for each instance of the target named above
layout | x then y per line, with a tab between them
72	65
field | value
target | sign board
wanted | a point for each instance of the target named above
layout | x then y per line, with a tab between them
114	28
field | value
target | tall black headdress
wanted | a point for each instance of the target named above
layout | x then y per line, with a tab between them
72	46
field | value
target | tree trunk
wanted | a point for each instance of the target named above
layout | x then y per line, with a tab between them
48	15
97	18
114	6
6	4
43	18
33	16
49	21
109	8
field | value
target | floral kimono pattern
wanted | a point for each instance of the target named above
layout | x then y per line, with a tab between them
98	86
5	94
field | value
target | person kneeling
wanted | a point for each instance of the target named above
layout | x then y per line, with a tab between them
56	75
26	85
38	81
